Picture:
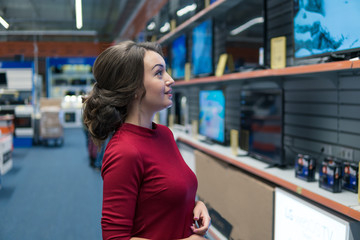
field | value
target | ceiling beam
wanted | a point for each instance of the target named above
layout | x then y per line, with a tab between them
145	11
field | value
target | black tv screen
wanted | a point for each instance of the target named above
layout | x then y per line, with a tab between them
322	27
178	57
212	115
181	109
261	124
3	79
202	45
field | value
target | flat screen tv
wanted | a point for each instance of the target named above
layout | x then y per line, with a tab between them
3	79
325	27
202	49
261	124
181	109
178	57
212	115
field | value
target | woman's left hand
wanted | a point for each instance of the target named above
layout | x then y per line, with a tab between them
201	216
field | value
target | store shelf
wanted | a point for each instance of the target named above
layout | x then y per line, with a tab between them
214	9
345	202
296	70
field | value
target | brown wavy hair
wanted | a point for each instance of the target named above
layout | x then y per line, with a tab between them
119	75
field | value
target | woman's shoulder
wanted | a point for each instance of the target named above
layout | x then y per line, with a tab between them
119	144
121	153
164	129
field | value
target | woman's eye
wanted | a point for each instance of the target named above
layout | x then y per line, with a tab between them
159	73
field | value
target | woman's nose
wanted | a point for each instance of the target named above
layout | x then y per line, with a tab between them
169	81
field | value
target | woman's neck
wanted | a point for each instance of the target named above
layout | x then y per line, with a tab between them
139	122
139	118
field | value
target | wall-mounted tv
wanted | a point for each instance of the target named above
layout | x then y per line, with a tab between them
181	109
261	124
178	57
202	49
212	115
325	27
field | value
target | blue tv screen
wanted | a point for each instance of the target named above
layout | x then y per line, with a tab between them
323	27
202	45
212	115
178	57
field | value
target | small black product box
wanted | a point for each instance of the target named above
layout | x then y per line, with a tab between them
350	179
305	167
331	175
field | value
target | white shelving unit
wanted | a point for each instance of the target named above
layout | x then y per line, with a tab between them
69	76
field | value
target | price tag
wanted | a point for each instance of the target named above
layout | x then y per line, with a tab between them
171	120
234	141
194	128
299	190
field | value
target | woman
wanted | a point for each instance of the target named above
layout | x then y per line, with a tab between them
148	190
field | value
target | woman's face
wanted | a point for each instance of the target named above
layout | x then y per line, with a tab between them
157	83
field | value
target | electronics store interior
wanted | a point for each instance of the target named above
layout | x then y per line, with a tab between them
265	111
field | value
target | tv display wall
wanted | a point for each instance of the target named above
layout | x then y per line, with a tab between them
202	49
323	27
212	115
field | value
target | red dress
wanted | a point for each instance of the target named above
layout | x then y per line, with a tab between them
149	191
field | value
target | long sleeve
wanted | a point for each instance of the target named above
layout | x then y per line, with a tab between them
121	173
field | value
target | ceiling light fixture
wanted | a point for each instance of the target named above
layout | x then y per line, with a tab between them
186	9
165	27
245	26
78	13
4	23
151	26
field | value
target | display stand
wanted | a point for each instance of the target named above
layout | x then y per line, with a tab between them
345	202
24	126
6	162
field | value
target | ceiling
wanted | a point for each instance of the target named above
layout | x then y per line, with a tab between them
103	20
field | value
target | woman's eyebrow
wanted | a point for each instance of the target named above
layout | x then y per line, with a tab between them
158	65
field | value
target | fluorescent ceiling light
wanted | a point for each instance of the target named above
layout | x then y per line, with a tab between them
165	28
245	26
4	23
151	26
49	33
186	9
78	13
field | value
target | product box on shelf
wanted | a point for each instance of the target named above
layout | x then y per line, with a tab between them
7	124
350	178
305	166
50	124
331	175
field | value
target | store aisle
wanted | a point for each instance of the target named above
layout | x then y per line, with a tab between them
51	193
